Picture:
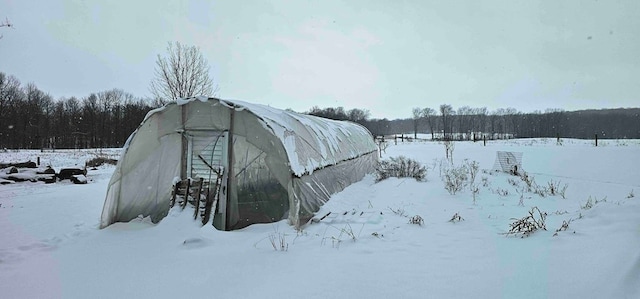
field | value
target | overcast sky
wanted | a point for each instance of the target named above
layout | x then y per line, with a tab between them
384	56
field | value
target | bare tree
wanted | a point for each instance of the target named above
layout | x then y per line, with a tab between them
183	73
446	112
358	115
465	121
429	114
417	115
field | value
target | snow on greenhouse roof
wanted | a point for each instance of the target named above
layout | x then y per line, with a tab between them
310	142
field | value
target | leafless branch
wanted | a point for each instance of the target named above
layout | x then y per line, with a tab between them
7	24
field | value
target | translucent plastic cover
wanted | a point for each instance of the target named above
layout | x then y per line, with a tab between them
282	164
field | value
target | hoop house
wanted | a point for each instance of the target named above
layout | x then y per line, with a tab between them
275	164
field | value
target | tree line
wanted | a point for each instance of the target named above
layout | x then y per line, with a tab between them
467	123
31	119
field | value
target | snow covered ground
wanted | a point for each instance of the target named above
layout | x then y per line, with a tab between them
51	247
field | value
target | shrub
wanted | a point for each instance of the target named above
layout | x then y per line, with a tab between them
513	182
485	181
417	219
554	188
475	190
100	160
588	204
399	211
563	227
456	218
591	202
449	146
279	241
344	233
454	179
529	224
500	191
529	180
400	167
472	169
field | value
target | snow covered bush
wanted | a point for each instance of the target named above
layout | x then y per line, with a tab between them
529	180
554	188
591	202
472	169
485	181
563	227
529	224
100	160
454	178
588	204
456	218
475	190
417	219
400	167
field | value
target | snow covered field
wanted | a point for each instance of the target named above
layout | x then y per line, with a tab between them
51	247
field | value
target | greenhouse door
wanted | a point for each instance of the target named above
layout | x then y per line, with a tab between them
207	159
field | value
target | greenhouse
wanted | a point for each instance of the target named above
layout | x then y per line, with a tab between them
266	164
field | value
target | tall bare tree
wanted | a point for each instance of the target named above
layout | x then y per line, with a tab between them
429	114
416	113
184	72
446	111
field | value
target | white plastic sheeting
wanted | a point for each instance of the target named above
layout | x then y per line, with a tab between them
312	142
510	162
285	165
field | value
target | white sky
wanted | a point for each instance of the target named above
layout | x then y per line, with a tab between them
385	56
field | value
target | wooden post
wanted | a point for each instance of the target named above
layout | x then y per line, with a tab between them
175	192
197	210
208	204
596	139
484	139
231	187
186	194
38	161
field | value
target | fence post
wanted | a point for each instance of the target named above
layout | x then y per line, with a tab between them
596	139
